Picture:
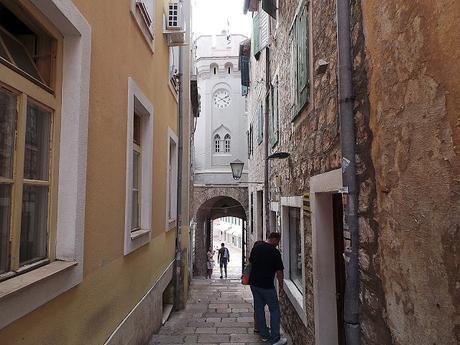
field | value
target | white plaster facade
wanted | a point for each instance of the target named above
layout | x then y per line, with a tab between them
216	67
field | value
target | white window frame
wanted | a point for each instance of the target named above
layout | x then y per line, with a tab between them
227	143
296	296
217	143
171	196
25	293
148	31
138	238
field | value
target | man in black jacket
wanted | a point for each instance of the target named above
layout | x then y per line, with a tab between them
266	262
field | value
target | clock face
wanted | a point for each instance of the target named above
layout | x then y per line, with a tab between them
221	98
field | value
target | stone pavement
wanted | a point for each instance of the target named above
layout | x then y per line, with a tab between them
219	311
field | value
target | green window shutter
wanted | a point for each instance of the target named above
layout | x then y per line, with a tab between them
256	34
269	6
273	116
274	127
302	36
270	114
260	125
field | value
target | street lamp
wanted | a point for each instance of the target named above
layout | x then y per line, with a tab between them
237	165
237	169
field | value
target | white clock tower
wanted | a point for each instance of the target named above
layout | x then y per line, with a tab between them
220	135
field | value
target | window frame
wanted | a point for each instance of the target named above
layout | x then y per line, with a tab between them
274	114
23	88
139	103
260	123
171	179
227	143
23	91
42	284
295	295
216	141
147	29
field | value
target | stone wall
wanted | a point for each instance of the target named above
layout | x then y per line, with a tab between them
410	210
312	139
406	59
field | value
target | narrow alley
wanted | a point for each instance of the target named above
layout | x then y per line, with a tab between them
219	311
314	144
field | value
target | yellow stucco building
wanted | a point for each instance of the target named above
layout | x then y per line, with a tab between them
90	152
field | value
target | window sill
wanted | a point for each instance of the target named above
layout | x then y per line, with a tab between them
23	281
296	298
139	233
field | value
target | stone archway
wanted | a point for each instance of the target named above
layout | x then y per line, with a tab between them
211	203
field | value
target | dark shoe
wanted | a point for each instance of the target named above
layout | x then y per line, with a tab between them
221	277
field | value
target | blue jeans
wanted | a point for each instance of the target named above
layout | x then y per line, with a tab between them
268	297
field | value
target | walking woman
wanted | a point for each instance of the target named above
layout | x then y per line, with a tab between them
210	262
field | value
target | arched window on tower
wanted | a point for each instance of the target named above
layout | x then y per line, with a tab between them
227	142
217	143
229	70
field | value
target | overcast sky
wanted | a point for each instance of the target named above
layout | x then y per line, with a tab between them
210	17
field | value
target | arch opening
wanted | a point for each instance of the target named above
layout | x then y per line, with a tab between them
221	219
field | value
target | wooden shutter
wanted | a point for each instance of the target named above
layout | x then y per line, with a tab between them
274	123
264	27
303	82
260	125
256	34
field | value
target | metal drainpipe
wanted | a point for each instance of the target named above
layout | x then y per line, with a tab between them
178	273
347	135
266	140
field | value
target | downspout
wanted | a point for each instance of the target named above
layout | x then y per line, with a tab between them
178	303
347	137
266	140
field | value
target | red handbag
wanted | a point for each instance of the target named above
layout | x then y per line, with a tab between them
246	275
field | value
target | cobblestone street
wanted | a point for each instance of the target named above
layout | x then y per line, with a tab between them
219	311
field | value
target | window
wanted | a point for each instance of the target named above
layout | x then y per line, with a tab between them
172	180
143	12
28	154
250	141
292	247
260	124
36	143
217	143
302	63
26	185
214	69
274	116
251	211
137	173
295	252
26	48
227	141
229	70
174	69
138	222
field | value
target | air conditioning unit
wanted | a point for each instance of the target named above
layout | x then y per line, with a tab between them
174	18
174	24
